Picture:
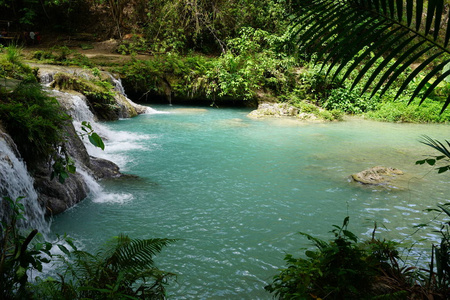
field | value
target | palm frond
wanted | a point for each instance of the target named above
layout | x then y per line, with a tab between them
437	145
354	35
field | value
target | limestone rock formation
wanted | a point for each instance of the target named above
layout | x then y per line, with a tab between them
377	175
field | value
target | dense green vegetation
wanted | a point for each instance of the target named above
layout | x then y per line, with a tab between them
244	51
121	269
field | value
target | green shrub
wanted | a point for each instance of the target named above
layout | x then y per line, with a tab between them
312	85
351	102
43	55
135	45
123	268
33	120
99	93
11	65
400	111
341	269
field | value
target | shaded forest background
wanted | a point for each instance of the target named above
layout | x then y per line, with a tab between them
180	25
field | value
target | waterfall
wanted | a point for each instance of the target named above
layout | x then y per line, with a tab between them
118	85
120	89
15	182
78	109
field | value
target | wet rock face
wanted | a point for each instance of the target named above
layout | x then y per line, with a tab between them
56	197
378	176
103	168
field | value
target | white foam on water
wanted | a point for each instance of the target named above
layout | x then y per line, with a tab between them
98	194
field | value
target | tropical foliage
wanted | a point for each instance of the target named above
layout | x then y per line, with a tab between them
124	268
350	36
440	147
346	268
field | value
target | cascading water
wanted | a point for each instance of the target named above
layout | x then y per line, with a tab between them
80	112
120	89
15	182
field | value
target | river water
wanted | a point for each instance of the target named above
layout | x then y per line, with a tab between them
235	191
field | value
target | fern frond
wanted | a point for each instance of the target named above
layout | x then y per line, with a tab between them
136	254
356	34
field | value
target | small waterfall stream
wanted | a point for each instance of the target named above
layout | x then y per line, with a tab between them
15	182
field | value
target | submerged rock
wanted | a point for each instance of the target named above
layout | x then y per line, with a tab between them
378	176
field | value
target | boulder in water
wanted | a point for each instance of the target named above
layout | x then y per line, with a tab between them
377	175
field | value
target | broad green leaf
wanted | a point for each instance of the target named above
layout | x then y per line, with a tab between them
366	53
97	141
431	162
394	71
375	31
313	14
405	65
434	85
351	44
345	23
321	25
420	162
443	169
64	249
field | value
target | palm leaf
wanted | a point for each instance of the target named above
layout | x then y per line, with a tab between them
437	145
333	28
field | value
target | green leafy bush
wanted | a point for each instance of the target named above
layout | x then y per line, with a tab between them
400	111
33	120
99	93
18	255
11	65
123	268
351	102
341	269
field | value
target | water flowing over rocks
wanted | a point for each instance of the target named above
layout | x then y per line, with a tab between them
44	196
16	182
122	106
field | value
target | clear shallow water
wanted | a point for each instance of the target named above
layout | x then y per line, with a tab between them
236	190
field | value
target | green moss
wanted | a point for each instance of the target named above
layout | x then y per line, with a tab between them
98	93
33	120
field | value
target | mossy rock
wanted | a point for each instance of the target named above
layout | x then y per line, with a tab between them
377	175
99	94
